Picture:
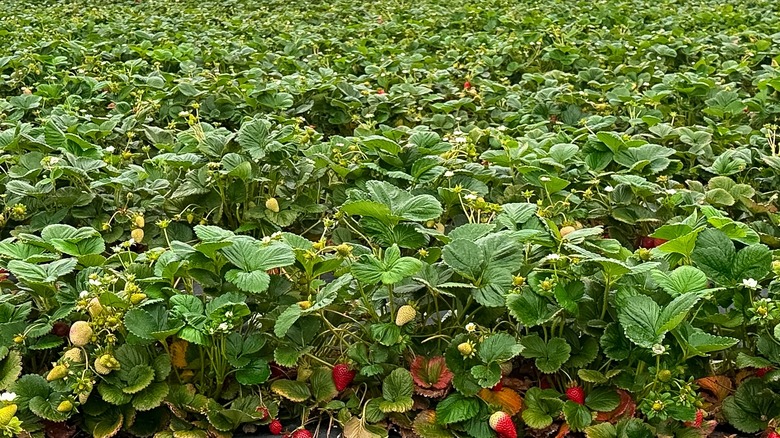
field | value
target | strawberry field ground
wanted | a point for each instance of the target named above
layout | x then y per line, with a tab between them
429	218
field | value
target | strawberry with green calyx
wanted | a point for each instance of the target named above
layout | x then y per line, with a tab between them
65	406
342	376
502	423
275	427
7	413
263	411
466	349
57	373
575	393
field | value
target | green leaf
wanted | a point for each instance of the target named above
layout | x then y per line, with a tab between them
456	408
682	280
614	344
464	257
488	376
113	394
591	376
714	255
639	317
138	378
751	406
253	137
754	261
286	320
386	333
392	269
602	399
530	309
577	415
674	312
397	391
536	419
254	373
292	390
45	273
10	369
322	385
499	347
699	343
105	426
28	387
602	430
548	356
151	397
44	408
540	407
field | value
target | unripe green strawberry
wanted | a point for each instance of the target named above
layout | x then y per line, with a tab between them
100	368
94	307
137	298
73	355
137	235
84	396
80	333
57	373
502	423
6	414
565	231
466	348
272	204
65	406
405	314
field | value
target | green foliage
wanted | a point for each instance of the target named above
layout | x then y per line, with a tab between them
208	207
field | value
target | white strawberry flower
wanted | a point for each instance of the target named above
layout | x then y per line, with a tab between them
750	283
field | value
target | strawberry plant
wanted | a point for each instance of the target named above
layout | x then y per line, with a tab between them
439	220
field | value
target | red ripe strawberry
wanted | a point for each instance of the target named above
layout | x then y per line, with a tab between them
275	427
773	434
342	376
698	421
576	394
262	410
301	433
761	372
467	85
380	91
499	385
502	423
650	242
